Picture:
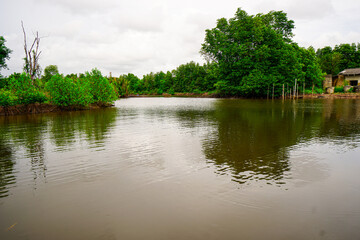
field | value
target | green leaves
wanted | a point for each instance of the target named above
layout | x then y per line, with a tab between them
4	53
101	90
21	86
254	52
335	60
93	88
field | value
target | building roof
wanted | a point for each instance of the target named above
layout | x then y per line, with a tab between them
350	71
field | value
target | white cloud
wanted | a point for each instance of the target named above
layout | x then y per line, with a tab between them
141	36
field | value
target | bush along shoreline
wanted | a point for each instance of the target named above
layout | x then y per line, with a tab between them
22	95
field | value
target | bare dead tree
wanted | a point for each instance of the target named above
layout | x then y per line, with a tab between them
32	56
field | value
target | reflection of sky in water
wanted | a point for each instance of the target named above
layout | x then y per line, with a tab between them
232	165
253	141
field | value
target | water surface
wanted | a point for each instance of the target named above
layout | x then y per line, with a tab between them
183	168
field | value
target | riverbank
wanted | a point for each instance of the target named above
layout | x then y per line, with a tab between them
194	95
36	108
214	95
332	96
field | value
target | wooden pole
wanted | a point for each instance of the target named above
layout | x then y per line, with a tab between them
304	90
312	93
297	91
283	92
287	88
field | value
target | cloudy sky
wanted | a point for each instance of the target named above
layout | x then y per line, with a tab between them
140	36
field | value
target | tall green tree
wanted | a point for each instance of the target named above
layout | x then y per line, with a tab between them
253	53
4	53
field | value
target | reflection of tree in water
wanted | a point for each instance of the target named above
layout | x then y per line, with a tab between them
31	131
28	131
6	166
251	139
92	126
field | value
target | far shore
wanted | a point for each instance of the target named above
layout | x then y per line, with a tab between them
213	95
48	108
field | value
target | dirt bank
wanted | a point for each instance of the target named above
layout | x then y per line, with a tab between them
43	108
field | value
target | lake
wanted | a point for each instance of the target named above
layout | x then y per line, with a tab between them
184	168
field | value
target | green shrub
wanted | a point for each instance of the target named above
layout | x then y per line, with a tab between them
67	92
171	91
100	88
159	91
23	88
7	98
339	90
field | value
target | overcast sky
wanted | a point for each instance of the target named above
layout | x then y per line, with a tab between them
140	36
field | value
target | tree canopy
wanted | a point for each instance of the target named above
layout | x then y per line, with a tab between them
335	60
4	53
255	52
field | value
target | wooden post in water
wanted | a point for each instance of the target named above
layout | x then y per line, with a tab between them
283	96
297	91
312	93
287	88
304	90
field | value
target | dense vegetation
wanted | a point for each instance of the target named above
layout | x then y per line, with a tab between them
91	88
247	55
343	56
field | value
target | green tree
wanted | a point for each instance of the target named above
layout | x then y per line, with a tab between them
4	53
253	53
24	90
67	92
49	71
99	87
335	60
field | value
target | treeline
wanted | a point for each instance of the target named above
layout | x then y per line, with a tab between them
343	56
187	78
89	88
249	56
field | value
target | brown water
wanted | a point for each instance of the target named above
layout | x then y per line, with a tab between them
182	168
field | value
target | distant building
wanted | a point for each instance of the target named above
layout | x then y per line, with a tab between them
351	75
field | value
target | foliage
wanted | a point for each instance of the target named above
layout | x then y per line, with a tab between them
189	77
339	89
24	90
121	85
7	98
254	53
67	92
49	71
100	88
316	90
343	56
4	53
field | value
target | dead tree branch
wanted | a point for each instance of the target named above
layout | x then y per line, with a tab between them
32	56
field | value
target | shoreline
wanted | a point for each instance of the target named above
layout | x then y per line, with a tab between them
213	95
36	108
